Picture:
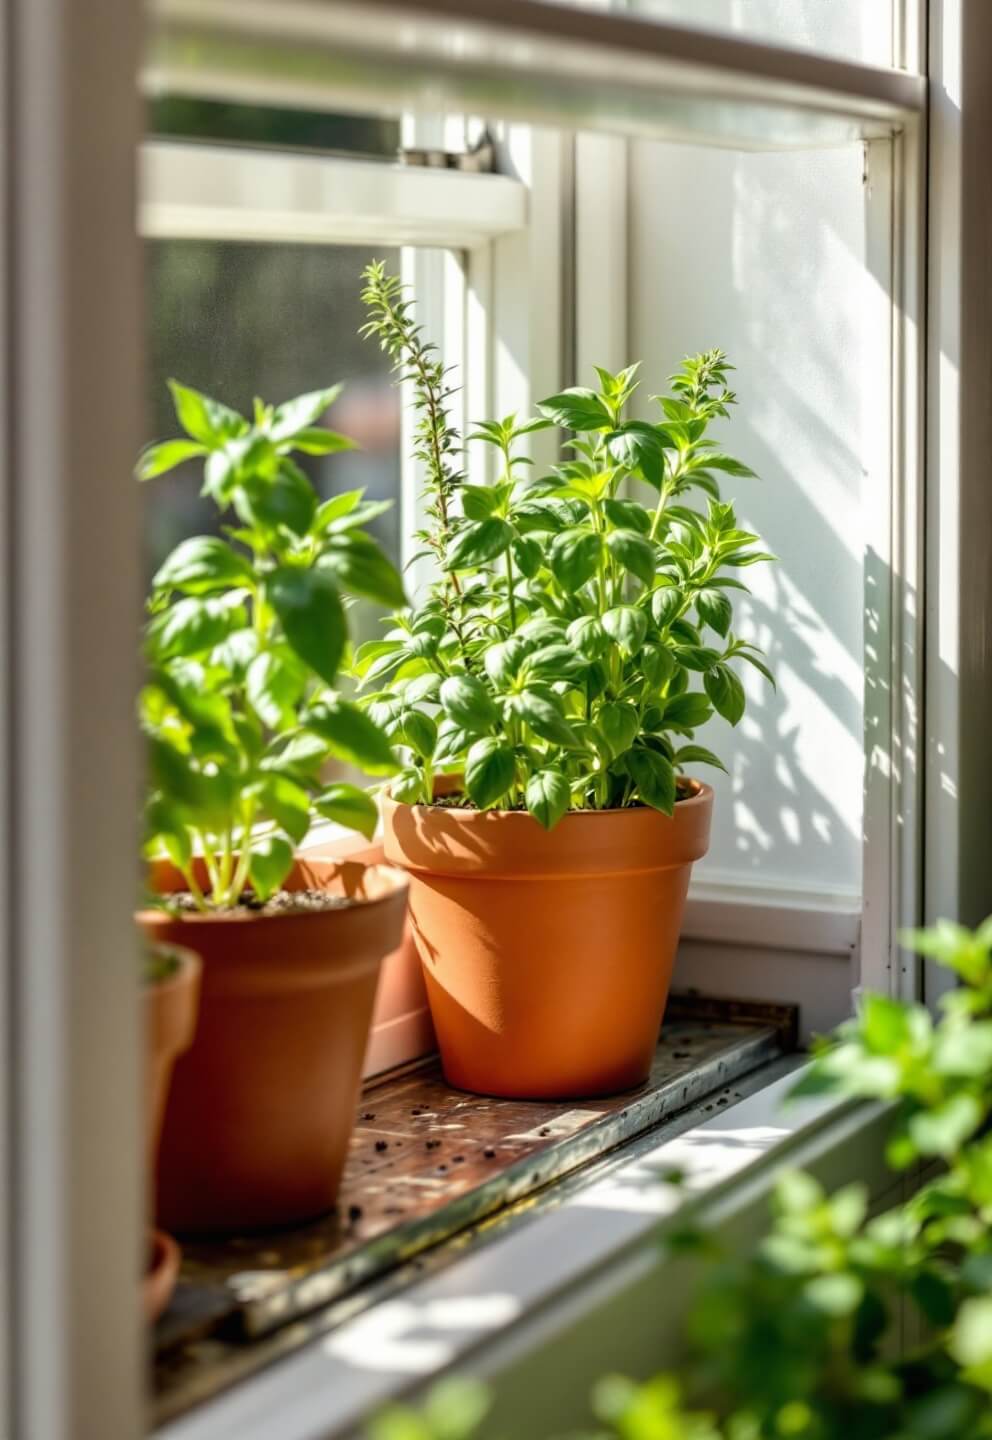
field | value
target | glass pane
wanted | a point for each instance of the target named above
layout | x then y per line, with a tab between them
240	320
212	120
772	262
860	30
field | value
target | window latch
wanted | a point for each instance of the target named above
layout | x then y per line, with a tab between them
479	160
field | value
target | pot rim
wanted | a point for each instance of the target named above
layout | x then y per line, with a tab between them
395	878
701	795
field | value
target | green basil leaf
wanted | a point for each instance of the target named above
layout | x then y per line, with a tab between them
654	777
726	693
269	863
415	729
504	659
337	508
576	409
195	625
574	556
687	712
547	797
202	564
627	515
588	637
479	501
300	414
528	556
312	616
697	657
666	603
315	440
556	662
287	803
544	715
408	786
452	742
628	626
351	806
301	758
359	564
351	735
274	685
638	446
698	755
618	723
657	663
466	700
489	771
208	799
422	687
157	459
478	543
205	420
236	652
287	499
715	610
634	553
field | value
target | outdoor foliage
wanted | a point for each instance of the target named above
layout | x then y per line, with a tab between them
804	1337
576	638
244	642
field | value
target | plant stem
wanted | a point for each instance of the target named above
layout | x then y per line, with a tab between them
509	589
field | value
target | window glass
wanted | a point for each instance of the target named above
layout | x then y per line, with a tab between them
851	29
211	120
239	320
771	262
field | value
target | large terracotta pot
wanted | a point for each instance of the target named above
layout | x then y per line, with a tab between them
171	1003
547	954
262	1106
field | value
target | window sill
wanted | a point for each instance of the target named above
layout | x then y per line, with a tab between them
432	1172
587	1275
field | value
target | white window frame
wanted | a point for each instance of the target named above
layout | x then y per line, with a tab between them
72	367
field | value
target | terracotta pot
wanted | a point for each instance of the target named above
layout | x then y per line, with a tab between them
401	1022
161	1274
262	1106
547	954
170	1021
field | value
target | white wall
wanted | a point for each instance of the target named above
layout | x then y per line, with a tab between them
765	255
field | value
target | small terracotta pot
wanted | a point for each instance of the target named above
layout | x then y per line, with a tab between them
170	1021
547	954
401	1022
262	1106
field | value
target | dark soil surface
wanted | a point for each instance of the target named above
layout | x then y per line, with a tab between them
283	902
462	802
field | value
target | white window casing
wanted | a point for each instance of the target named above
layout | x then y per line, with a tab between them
72	314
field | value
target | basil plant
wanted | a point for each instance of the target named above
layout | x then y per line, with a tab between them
576	638
245	637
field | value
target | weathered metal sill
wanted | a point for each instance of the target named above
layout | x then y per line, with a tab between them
429	1164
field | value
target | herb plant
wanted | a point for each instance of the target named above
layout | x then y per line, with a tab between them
244	642
807	1337
575	638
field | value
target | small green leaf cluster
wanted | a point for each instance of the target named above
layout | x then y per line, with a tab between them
576	638
805	1337
245	638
